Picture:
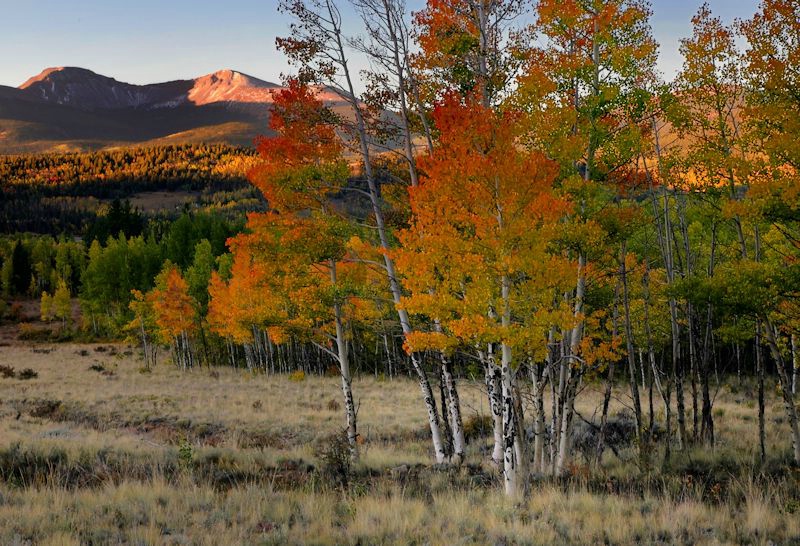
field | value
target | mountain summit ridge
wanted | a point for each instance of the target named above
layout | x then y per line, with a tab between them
69	108
87	90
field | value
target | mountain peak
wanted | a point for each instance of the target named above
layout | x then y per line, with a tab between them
228	74
229	85
87	90
61	73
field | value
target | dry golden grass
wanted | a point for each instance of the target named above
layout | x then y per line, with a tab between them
124	457
161	513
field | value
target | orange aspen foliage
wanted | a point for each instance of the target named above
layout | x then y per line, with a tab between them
772	58
173	307
301	166
772	109
484	212
245	301
709	97
467	46
291	265
586	87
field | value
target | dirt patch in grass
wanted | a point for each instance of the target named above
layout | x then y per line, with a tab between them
167	429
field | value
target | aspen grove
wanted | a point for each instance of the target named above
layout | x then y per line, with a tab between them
513	194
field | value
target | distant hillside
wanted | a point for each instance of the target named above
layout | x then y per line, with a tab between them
74	109
65	193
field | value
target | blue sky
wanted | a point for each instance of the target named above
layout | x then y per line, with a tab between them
145	41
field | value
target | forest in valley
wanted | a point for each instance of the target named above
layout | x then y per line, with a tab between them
602	254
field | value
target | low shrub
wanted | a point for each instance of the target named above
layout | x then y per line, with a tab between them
29	332
478	426
335	458
28	373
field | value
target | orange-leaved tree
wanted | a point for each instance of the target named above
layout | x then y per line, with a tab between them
319	49
175	313
245	310
296	255
475	256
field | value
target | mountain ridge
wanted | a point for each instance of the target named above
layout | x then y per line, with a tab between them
88	90
73	108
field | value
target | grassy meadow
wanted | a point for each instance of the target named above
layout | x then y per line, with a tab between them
95	451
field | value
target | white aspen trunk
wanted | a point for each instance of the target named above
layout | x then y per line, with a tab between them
651	354
664	393
186	350
425	386
762	431
256	350
454	411
401	84
347	391
680	372
248	356
388	355
192	356
344	369
383	20
421	113
642	369
665	239
144	345
601	437
780	364
694	370
231	352
545	455
657	381
556	396
270	354
177	353
481	11
519	423
510	460
492	378
567	378
264	350
430	404
631	357
564	440
453	406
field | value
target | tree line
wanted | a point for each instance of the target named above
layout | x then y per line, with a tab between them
66	193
